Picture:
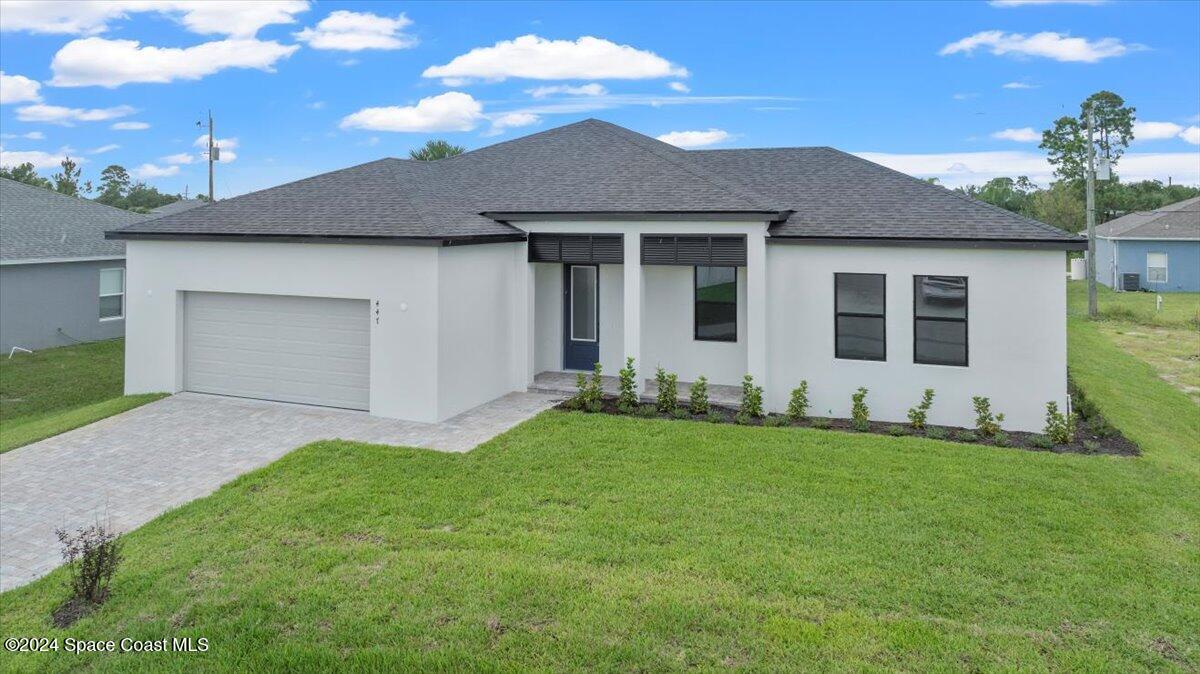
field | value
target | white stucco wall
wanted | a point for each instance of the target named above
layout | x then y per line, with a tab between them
1016	333
403	279
477	321
668	338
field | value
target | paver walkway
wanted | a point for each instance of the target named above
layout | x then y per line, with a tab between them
130	468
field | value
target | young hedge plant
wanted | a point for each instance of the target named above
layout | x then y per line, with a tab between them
919	415
698	396
752	398
627	397
860	414
668	393
986	423
798	405
1060	428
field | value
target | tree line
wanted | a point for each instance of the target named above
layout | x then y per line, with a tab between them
115	188
1062	202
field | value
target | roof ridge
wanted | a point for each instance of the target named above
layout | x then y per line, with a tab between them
1049	229
76	199
700	172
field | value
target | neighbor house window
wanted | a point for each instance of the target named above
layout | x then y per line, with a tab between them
1156	267
112	293
858	306
716	304
940	320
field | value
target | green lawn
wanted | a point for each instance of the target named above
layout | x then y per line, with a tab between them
618	544
1179	310
55	390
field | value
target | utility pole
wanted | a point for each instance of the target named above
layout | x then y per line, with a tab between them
212	197
214	154
1093	309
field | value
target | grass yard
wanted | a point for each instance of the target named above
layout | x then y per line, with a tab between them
1168	340
55	390
606	543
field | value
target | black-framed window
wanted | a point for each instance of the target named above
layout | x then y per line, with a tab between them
940	320
715	304
858	307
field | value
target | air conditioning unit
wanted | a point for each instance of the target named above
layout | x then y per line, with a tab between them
1131	282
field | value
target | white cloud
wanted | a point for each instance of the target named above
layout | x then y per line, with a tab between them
1018	85
32	135
1191	135
1023	135
104	148
348	62
315	105
1155	130
96	61
536	58
57	114
511	120
965	168
1030	3
688	139
227	145
593	89
1046	44
355	31
182	157
964	96
130	126
451	111
18	89
91	17
154	171
680	87
39	159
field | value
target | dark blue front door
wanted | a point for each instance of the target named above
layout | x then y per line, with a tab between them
581	316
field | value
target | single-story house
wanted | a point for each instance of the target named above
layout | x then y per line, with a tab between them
418	290
1156	250
61	281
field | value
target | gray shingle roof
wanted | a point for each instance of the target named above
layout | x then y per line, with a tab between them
38	224
1180	220
176	207
593	166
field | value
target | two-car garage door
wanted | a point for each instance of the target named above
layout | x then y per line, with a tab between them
313	350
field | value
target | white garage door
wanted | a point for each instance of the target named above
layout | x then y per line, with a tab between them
313	350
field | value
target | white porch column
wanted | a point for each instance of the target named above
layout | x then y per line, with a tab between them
632	305
527	318
756	311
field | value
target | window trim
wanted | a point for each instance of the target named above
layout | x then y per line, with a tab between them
837	313
121	294
696	299
1165	267
965	320
595	269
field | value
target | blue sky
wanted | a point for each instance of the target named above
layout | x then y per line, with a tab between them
298	88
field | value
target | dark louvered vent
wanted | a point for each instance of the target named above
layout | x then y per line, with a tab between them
716	251
577	248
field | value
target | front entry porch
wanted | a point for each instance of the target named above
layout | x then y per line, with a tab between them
564	383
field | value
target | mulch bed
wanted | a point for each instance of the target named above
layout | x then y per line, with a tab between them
1093	434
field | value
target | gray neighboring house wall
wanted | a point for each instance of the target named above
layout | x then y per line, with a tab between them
52	252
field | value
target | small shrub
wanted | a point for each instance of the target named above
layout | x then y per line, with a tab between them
698	396
626	409
1091	446
966	436
821	422
590	391
986	423
681	413
647	411
1041	442
92	555
775	421
897	431
1102	429
627	395
860	414
581	392
1059	427
936	432
595	385
798	406
715	417
1001	439
668	393
917	416
743	419
752	404
595	407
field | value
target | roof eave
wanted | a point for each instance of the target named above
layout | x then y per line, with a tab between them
654	216
982	243
455	240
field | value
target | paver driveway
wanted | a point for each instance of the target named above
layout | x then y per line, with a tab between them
130	468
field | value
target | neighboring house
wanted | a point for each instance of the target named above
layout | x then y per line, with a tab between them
418	290
1160	247
61	281
176	207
